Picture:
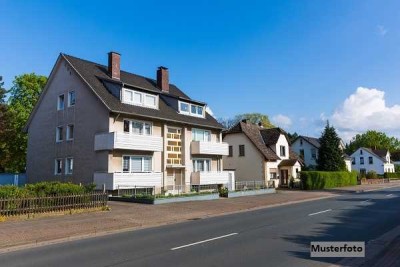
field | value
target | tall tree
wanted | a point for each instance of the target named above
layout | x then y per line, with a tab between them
24	94
373	139
251	117
330	156
3	109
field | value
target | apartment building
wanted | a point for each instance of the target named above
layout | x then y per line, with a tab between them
97	123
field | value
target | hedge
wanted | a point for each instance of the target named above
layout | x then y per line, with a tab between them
44	189
319	180
391	175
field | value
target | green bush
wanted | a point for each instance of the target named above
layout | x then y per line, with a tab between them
391	175
371	175
319	180
44	189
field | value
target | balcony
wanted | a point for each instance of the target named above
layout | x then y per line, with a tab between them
113	180
213	177
209	148
116	140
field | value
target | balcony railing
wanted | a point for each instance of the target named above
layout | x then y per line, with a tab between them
209	148
113	181
116	140
212	177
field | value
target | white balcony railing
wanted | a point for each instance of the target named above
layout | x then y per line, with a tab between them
209	148
116	140
212	177
113	180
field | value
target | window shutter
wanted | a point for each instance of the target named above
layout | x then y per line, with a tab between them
136	163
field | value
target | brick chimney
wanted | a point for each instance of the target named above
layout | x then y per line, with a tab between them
163	79
114	65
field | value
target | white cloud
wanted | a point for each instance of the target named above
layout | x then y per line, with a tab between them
381	30
363	110
282	121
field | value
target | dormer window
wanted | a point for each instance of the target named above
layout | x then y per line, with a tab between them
137	98
191	109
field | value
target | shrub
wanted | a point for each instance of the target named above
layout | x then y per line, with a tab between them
391	175
319	180
44	189
371	175
223	192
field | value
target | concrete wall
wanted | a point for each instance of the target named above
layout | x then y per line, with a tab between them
247	168
89	117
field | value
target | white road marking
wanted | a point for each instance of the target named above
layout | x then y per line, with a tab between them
312	214
389	195
365	201
204	241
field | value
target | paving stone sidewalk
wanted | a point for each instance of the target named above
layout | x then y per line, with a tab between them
129	216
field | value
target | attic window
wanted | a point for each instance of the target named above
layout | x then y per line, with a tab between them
191	109
137	98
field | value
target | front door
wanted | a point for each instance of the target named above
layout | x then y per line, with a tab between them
175	179
284	177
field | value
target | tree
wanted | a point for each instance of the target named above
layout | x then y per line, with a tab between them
3	109
251	117
24	94
373	139
292	136
330	156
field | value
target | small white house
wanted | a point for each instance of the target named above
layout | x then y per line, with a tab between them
308	147
366	159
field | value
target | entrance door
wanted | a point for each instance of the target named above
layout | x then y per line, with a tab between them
284	177
175	179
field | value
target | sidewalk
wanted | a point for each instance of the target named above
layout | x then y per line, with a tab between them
130	216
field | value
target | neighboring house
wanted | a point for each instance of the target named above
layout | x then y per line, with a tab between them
366	159
96	123
308	148
258	154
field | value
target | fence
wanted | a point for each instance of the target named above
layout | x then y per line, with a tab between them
253	185
20	206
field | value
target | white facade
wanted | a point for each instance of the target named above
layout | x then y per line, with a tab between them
364	160
306	150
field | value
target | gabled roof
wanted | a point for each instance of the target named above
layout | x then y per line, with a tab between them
271	135
261	138
252	131
380	153
288	163
312	140
94	75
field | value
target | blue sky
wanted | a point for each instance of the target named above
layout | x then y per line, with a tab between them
296	61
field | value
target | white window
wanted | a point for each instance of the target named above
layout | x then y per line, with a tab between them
70	132
139	98
137	164
59	134
201	165
60	102
150	100
58	166
137	127
191	109
69	165
201	135
71	98
282	151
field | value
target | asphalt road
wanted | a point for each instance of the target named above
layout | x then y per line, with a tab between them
277	236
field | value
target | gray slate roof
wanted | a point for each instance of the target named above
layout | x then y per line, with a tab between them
94	74
312	140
